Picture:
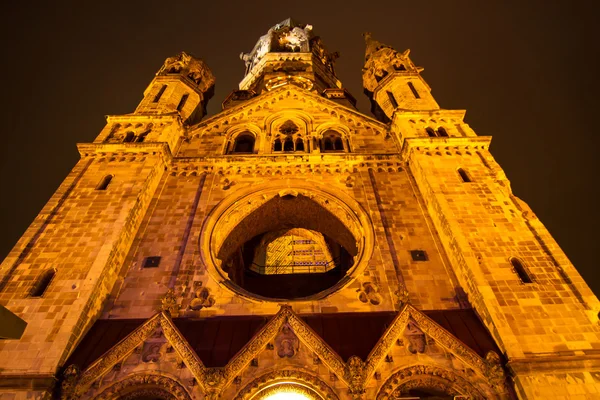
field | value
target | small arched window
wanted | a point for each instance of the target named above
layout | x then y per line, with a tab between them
338	145
104	182
464	176
288	145
332	141
142	137
299	144
244	143
520	270
277	145
430	132
129	137
442	132
42	283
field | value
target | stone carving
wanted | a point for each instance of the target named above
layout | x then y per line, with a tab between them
156	386
190	67
403	296
355	375
381	60
495	372
69	382
423	377
168	303
302	378
369	294
487	374
286	341
288	36
414	337
151	352
202	299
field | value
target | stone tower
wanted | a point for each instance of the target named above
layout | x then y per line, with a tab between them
292	246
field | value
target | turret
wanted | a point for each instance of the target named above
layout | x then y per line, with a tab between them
290	53
392	81
184	84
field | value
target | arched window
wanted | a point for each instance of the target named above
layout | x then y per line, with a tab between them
463	175
142	137
338	145
129	137
442	132
288	145
40	286
430	132
160	93
299	144
104	182
520	270
332	141
277	145
244	143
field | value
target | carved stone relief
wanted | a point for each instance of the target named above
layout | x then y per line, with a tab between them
414	337
286	342
369	293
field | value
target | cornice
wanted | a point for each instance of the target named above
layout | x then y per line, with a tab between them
444	145
576	361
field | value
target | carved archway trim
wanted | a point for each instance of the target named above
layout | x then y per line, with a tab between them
159	384
295	377
421	376
226	216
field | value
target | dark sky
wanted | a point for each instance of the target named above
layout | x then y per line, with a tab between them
525	71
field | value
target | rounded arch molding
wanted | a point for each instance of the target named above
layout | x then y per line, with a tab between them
223	220
428	377
287	380
145	385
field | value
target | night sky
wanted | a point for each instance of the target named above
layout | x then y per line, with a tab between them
526	72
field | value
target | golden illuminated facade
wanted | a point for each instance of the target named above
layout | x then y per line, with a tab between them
292	247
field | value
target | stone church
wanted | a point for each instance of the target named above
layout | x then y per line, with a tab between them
292	247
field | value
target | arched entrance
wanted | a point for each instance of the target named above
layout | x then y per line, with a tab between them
145	387
427	382
287	385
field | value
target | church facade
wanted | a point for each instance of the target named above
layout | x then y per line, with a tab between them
292	247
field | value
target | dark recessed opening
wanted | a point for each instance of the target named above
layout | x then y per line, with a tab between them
151	262
418	255
289	248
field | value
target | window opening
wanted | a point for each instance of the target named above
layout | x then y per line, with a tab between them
442	132
328	144
142	137
182	102
288	145
413	90
299	144
151	262
520	270
419	255
244	143
392	99
104	182
42	283
430	132
129	137
464	176
338	144
160	93
277	145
